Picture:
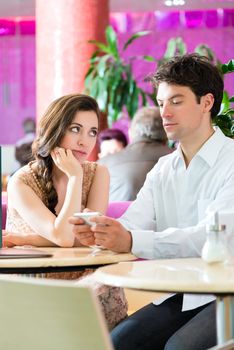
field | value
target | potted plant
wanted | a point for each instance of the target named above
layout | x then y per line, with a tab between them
225	118
110	79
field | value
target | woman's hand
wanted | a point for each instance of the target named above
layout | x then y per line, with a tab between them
65	161
10	239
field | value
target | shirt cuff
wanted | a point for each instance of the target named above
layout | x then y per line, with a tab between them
143	244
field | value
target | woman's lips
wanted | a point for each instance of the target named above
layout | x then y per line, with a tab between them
80	153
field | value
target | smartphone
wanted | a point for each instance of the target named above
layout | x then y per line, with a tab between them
87	215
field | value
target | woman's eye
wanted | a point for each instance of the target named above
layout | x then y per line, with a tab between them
93	133
75	129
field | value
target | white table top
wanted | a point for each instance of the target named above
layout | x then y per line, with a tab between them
63	257
174	275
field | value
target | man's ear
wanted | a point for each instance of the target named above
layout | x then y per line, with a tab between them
208	101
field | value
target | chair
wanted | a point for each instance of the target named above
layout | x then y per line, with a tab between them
114	210
50	315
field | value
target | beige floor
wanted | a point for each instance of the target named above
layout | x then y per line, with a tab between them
138	299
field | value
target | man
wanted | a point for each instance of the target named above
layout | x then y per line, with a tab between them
128	168
168	218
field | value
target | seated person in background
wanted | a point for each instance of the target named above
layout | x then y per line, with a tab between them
128	168
111	141
23	147
168	218
29	128
43	194
23	153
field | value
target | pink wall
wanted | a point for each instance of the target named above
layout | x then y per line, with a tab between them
17	54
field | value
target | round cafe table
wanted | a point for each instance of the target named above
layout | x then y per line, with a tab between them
179	275
63	259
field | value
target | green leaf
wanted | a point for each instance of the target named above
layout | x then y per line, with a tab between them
171	49
224	68
225	102
95	86
89	71
102	94
133	100
181	46
143	96
228	67
175	46
204	50
103	47
111	39
101	65
226	123
149	58
231	99
231	66
134	37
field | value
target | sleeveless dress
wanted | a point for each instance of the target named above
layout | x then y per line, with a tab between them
112	299
15	223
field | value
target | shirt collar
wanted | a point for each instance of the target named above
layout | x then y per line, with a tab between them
211	148
208	152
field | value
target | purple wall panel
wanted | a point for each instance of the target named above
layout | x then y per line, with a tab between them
17	54
17	85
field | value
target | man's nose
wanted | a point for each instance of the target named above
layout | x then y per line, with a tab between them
166	111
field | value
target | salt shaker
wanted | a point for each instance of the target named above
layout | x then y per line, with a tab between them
214	249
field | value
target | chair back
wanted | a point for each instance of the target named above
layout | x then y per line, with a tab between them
50	315
117	209
114	210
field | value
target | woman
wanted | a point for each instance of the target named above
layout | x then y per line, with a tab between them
45	193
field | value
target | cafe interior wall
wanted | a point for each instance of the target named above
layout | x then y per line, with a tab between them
17	53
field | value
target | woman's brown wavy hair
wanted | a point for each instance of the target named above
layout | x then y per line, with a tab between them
51	129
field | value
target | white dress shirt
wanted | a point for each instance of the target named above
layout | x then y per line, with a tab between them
167	220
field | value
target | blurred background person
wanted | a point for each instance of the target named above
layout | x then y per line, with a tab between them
128	168
111	141
23	147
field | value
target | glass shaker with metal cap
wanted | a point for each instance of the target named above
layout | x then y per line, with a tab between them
215	249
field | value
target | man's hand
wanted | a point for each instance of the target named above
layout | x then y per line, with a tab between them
81	231
110	234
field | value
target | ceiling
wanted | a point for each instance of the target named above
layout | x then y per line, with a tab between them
9	8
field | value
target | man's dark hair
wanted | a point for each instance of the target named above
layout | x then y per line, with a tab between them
112	134
195	72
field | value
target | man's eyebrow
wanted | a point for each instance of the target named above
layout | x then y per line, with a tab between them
171	98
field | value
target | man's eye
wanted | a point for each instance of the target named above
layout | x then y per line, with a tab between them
176	102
